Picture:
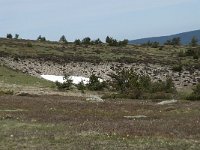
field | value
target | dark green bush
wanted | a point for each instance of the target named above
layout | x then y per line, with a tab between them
66	85
9	36
94	83
132	85
177	68
81	86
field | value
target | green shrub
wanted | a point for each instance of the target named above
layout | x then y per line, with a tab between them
66	85
177	68
132	85
81	86
77	42
94	83
9	36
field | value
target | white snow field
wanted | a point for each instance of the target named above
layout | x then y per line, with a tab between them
75	79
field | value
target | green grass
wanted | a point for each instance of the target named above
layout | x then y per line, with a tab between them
9	76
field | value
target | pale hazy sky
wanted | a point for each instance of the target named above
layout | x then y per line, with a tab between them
121	19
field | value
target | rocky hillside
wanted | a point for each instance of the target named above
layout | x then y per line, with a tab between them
53	58
157	72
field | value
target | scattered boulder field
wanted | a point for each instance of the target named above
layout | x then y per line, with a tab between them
156	72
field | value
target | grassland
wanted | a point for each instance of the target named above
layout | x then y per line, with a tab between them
11	77
95	53
72	123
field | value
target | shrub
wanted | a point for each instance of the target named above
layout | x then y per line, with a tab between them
86	41
63	39
129	83
77	42
177	68
40	38
81	86
194	42
114	42
16	36
94	83
9	36
195	94
66	85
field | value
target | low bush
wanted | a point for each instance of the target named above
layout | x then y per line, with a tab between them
81	86
132	85
66	85
195	94
177	68
95	84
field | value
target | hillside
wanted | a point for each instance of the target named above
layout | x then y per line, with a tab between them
54	58
185	38
35	114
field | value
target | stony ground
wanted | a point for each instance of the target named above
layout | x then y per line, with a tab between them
58	122
156	72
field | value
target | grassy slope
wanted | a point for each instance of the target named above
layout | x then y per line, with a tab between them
11	77
54	50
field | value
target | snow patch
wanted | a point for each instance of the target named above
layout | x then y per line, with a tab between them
75	79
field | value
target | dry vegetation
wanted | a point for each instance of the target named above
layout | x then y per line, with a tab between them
56	122
55	51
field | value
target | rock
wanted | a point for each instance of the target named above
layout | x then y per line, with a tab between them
94	98
135	117
167	102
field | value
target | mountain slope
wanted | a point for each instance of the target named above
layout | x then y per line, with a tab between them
185	38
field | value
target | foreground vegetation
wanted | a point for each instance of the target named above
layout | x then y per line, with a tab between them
56	122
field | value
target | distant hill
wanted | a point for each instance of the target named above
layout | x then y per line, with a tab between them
185	38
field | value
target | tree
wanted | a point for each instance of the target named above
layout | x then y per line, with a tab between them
176	41
16	36
155	44
94	83
9	36
123	43
86	41
63	39
77	42
168	42
40	38
66	85
108	39
98	41
194	41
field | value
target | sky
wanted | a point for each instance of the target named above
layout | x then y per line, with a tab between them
76	19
